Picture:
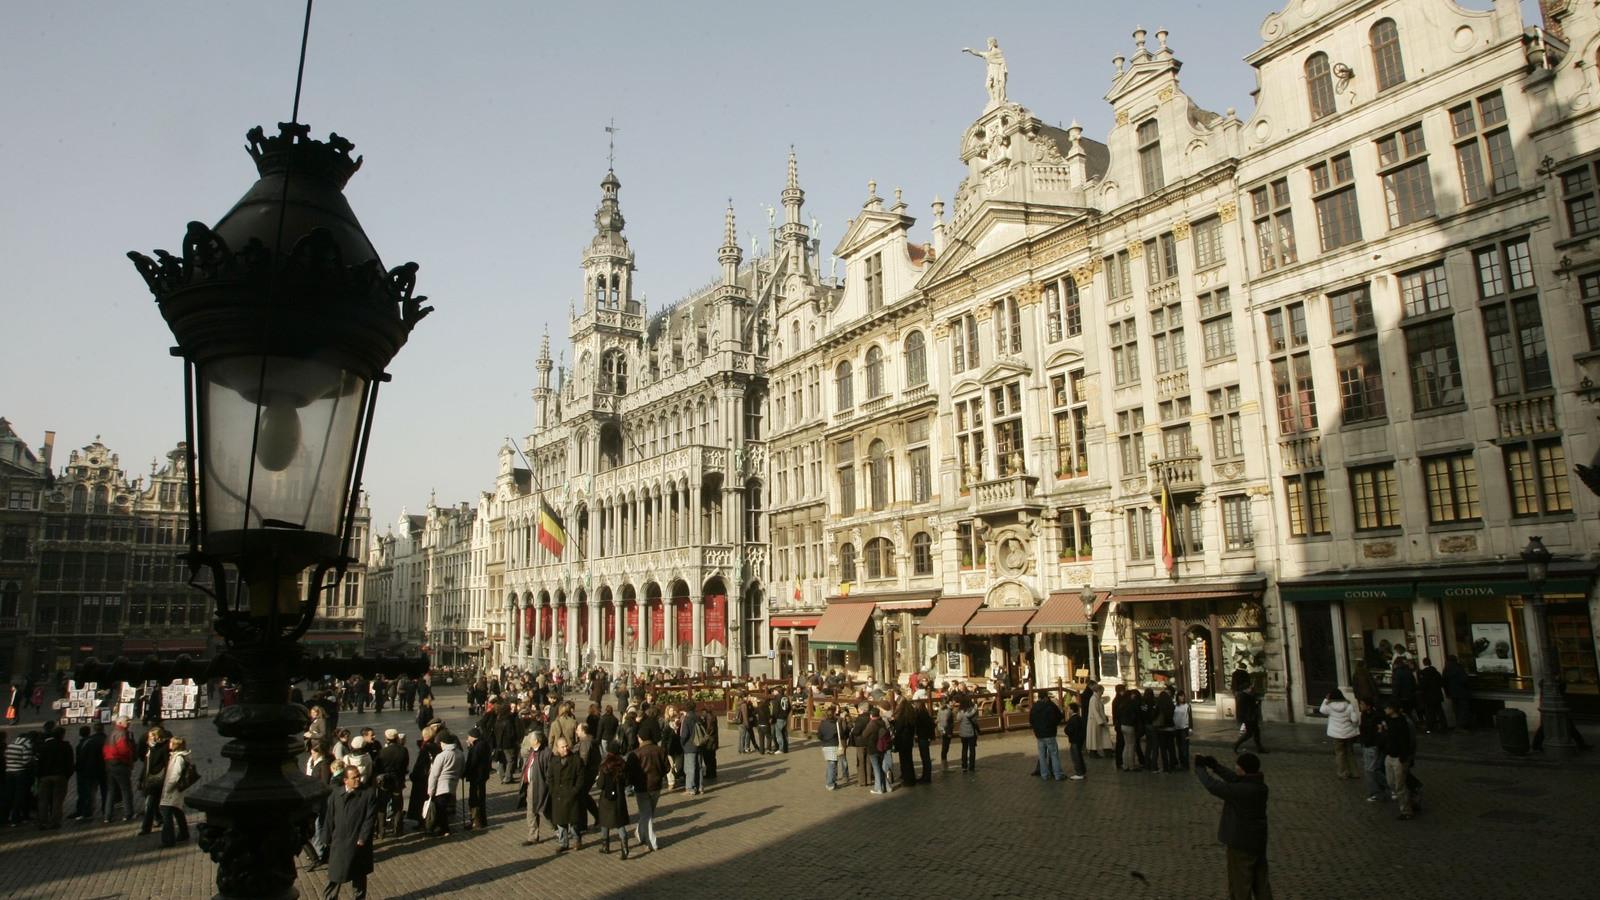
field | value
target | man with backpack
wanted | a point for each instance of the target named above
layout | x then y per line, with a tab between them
778	712
878	738
692	734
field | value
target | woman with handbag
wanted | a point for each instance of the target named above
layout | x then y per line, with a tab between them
154	776
181	775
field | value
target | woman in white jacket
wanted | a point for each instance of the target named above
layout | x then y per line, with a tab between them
1344	726
174	824
1097	736
442	778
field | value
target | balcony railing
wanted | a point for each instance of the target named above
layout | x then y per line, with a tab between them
1525	416
1177	473
1008	492
1301	453
1164	293
1172	384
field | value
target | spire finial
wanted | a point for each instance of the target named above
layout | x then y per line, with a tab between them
611	144
730	237
794	169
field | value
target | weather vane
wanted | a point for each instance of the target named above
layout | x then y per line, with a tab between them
611	143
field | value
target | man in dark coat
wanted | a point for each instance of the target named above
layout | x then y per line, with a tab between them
90	766
394	762
1243	829
351	816
480	765
1459	690
566	784
536	775
1430	697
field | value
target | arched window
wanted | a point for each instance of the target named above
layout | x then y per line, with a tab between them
921	554
1007	326
841	380
878	474
616	290
753	626
847	562
80	499
614	372
102	499
880	558
1150	170
599	290
916	359
1387	63
874	372
705	424
794	335
1319	86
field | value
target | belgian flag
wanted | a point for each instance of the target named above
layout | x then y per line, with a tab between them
552	536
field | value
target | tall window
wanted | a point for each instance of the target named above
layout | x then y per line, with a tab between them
878	474
1518	358
847	562
1386	62
1141	533
874	372
1119	279
1274	225
1403	166
14	545
1130	441
1007	326
1536	473
1076	541
916	360
1589	293
1064	318
1161	259
845	456
874	282
1150	156
1291	371
969	440
1307	498
1375	497
1355	355
1206	235
1431	360
1216	325
843	386
964	353
1176	439
920	456
1319	86
1125	352
1070	412
1237	530
1005	402
1481	136
1452	482
1334	193
971	546
1227	432
1578	196
1166	333
880	558
921	554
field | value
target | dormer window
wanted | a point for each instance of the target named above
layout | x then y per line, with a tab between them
1387	63
874	282
1150	156
1007	326
1319	86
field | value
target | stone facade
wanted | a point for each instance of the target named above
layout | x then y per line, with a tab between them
25	479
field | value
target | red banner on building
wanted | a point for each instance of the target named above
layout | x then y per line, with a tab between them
683	613
528	614
658	624
561	620
583	627
633	618
717	618
608	615
544	622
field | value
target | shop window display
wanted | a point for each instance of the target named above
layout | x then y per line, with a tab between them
1573	638
1155	657
1199	665
1377	633
1246	650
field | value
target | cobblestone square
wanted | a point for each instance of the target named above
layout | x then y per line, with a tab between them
767	827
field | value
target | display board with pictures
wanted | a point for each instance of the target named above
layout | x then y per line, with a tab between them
182	699
78	707
125	701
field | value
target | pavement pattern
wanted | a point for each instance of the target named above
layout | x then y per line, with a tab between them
767	827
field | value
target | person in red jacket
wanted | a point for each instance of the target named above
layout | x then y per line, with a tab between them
119	757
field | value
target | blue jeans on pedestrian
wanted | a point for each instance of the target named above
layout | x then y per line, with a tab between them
780	735
565	835
744	739
646	827
1372	765
1050	758
830	756
1075	751
878	765
691	770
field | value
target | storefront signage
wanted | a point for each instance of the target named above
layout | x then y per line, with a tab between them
1510	588
1347	593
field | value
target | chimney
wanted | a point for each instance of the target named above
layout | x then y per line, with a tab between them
47	451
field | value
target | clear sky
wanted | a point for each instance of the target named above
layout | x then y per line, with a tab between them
482	124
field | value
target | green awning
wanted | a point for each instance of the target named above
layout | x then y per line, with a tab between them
1348	591
841	625
1456	590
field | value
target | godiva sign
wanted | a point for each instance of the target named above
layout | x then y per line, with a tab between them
1406	591
1445	590
1400	591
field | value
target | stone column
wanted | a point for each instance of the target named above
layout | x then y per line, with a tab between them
619	621
698	624
533	635
596	636
573	611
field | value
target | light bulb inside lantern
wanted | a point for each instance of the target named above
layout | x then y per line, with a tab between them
278	441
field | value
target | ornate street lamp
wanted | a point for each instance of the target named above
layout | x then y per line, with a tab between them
286	321
1087	596
1554	715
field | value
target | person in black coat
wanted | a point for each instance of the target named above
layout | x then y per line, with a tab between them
427	749
480	764
352	817
613	801
394	761
566	784
153	776
923	726
1430	697
90	767
1243	829
608	726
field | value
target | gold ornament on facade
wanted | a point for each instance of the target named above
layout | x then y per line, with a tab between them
1167	93
1227	211
1028	294
940	331
983	313
1135	250
1180	230
1122	117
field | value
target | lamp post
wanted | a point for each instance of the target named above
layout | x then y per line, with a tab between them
1554	716
1087	596
286	321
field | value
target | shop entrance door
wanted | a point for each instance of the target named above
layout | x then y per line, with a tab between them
1317	642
